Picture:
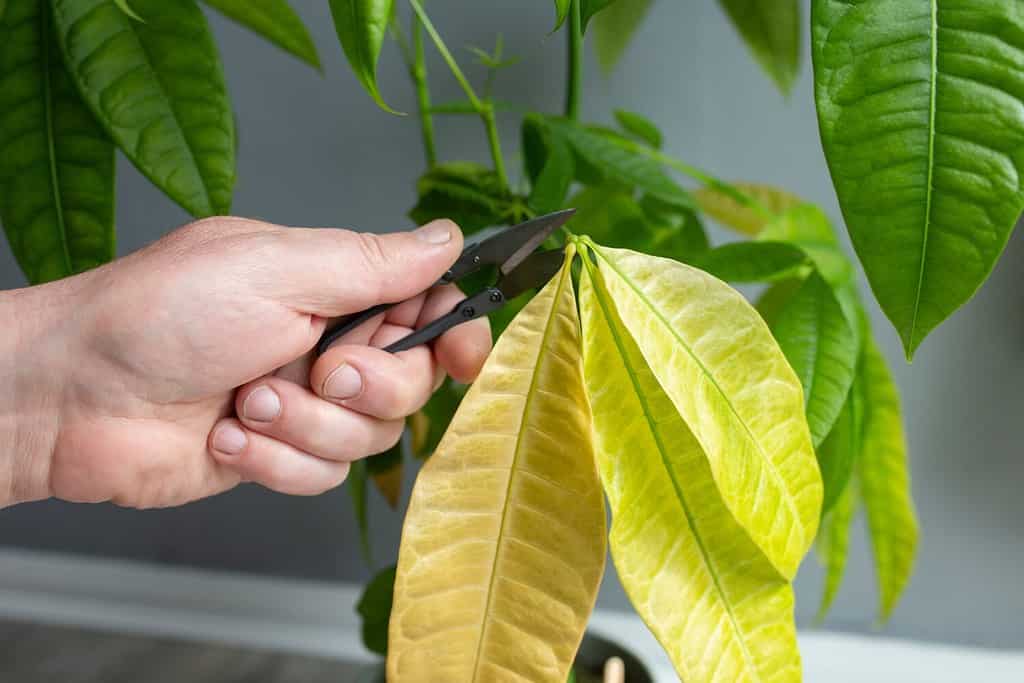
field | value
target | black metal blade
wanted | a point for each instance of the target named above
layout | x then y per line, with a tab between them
533	273
510	247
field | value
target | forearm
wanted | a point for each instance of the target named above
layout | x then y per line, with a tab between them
31	378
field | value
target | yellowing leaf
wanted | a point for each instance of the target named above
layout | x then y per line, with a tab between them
708	594
504	543
745	218
885	481
719	364
834	545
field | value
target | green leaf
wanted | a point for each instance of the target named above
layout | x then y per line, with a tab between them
677	232
745	207
621	163
614	28
562	8
361	26
276	21
772	30
357	492
884	476
834	546
374	607
730	382
470	194
672	534
126	8
808	227
919	108
56	162
158	89
838	453
819	343
552	184
588	8
639	127
775	298
752	261
386	471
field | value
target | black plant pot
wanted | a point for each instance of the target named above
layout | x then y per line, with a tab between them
594	652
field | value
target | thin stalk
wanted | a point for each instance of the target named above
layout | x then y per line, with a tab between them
418	70
491	125
575	66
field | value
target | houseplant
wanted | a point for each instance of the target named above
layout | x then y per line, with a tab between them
917	102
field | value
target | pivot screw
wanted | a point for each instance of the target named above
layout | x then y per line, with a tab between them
495	297
468	312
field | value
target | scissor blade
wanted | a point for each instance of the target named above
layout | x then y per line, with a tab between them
533	273
510	247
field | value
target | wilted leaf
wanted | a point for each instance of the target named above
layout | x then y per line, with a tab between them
158	89
820	345
748	217
503	546
772	31
730	382
361	26
919	105
56	162
708	594
752	261
884	478
639	127
276	21
374	607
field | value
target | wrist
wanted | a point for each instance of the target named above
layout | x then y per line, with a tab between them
32	363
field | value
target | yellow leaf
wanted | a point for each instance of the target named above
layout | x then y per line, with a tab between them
884	479
504	543
719	364
746	219
708	594
834	545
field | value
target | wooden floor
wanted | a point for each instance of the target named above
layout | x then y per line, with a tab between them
32	653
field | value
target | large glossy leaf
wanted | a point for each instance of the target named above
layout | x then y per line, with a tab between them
708	594
834	546
622	164
884	476
613	28
361	26
763	204
772	30
753	261
56	163
730	382
276	21
158	88
920	106
503	546
820	345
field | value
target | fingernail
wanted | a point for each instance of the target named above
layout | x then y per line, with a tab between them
262	405
229	439
437	232
343	383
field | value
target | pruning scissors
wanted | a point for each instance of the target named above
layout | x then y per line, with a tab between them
520	266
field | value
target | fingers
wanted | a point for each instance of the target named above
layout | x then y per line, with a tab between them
330	272
462	350
375	382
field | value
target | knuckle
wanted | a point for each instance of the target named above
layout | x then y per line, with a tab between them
372	249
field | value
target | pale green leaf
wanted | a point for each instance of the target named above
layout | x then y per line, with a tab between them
920	108
730	382
361	26
639	127
752	261
614	27
820	345
158	88
56	162
834	545
807	227
772	30
276	21
745	207
708	594
884	476
503	546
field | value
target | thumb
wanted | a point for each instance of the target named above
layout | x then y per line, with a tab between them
331	272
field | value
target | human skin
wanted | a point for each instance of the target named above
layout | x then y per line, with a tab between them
184	369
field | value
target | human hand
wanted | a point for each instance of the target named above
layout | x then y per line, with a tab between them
185	368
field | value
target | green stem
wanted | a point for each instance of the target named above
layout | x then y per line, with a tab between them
491	125
575	65
418	69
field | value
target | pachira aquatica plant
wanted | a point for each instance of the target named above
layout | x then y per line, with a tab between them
726	438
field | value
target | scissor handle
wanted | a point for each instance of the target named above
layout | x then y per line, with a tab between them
476	306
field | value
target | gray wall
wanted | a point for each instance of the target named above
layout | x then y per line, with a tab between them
315	151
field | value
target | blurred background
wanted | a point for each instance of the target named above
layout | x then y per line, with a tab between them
315	151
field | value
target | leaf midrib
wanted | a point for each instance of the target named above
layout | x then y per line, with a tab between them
680	496
714	382
531	392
